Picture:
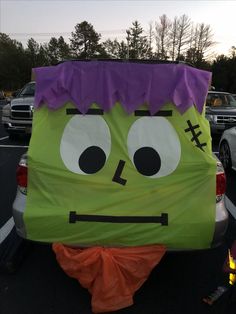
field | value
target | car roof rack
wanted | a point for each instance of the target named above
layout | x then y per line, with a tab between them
146	61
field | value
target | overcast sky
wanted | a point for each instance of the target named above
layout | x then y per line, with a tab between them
43	19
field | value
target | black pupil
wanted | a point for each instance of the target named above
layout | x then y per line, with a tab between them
92	159
147	161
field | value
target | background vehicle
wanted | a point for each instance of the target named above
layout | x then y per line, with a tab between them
17	115
67	217
220	111
227	149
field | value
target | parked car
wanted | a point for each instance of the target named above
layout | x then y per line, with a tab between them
108	168
227	149
18	114
220	111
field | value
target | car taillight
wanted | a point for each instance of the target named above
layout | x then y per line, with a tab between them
21	176
220	184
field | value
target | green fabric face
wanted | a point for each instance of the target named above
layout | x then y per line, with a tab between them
165	167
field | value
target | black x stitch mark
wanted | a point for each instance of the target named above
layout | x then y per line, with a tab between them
195	135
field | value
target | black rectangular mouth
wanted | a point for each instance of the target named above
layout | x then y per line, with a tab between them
163	219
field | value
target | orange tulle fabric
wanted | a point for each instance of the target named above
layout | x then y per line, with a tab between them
112	275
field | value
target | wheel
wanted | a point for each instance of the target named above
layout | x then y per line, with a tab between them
225	155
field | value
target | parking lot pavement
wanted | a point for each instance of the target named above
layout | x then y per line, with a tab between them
176	285
4	138
20	141
10	145
6	229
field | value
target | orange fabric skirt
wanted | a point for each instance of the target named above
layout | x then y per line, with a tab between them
112	275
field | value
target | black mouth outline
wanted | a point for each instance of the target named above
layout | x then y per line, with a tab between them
163	219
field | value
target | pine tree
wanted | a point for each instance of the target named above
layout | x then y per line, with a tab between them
85	41
138	46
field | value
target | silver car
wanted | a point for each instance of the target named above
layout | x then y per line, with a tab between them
228	149
220	111
17	115
221	213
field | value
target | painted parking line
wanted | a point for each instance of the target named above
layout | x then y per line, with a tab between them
15	146
6	229
4	138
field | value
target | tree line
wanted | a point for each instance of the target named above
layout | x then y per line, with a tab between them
176	40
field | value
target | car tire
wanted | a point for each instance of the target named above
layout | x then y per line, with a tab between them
225	155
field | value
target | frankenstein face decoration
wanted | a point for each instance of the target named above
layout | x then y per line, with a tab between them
86	146
116	179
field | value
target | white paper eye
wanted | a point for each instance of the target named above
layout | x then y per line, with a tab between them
85	144
154	147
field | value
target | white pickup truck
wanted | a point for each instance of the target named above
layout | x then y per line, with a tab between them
17	115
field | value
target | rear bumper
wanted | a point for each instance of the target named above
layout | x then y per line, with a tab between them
18	209
221	219
17	126
221	223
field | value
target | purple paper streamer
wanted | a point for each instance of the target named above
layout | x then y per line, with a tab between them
131	84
